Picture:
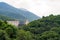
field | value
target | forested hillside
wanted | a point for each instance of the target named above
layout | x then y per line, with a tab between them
9	32
5	18
16	13
46	28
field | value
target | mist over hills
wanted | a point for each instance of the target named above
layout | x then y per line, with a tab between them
10	11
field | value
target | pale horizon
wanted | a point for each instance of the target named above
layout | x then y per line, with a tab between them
38	7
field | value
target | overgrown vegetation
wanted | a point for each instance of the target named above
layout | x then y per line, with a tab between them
9	32
46	28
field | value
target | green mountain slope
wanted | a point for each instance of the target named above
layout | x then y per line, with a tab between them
10	11
46	28
4	18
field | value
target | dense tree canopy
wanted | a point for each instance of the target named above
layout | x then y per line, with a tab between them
10	32
46	28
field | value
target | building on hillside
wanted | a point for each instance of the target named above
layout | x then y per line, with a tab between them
18	23
26	22
23	22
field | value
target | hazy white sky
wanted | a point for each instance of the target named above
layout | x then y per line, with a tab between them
38	7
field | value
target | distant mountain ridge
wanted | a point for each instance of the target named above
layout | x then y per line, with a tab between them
10	11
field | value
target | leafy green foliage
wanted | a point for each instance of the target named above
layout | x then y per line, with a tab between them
10	32
24	35
46	28
3	35
7	30
49	35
